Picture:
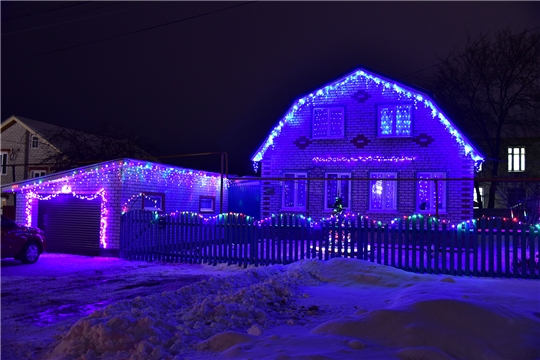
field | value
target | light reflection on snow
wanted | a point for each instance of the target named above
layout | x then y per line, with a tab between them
55	314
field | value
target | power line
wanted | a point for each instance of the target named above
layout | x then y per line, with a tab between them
146	29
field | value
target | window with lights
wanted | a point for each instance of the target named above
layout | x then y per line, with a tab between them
339	186
394	120
430	194
383	191
328	122
153	201
516	159
294	191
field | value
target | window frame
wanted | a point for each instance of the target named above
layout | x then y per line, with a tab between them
441	209
4	162
346	206
144	195
38	173
296	182
394	122
34	141
329	108
384	180
207	210
512	159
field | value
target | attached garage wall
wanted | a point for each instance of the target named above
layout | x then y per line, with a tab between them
71	225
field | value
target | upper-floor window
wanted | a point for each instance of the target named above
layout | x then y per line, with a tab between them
338	187
383	191
294	191
394	120
38	173
516	159
4	162
35	142
328	123
431	195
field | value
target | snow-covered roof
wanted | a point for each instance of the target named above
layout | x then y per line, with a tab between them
407	91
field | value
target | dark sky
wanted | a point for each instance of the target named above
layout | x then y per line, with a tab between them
217	76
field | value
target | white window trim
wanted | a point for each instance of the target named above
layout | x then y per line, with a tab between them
33	173
340	136
4	162
516	159
339	187
211	209
32	142
442	210
393	135
394	183
296	181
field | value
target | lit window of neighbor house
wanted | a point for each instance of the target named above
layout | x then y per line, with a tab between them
516	159
35	142
328	123
207	204
338	187
394	120
429	196
383	194
4	162
294	191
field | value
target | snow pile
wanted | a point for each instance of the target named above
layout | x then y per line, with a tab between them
342	308
171	323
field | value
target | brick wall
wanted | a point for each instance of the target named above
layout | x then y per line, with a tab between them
437	151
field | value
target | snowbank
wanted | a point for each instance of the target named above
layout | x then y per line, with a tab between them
335	309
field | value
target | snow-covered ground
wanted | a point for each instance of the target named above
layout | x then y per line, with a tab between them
75	307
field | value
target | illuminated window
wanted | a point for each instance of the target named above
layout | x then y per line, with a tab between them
153	201
476	201
338	186
4	162
38	173
394	120
428	195
328	123
294	191
516	159
35	142
207	204
383	192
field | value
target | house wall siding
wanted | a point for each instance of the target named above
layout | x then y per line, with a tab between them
442	154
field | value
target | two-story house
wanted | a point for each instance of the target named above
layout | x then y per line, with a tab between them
383	147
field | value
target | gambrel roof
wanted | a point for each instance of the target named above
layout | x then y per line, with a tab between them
364	76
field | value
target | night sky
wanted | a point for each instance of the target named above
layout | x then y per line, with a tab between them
217	76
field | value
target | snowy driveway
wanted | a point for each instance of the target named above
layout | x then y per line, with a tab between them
44	299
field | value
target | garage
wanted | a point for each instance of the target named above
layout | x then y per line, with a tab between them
71	224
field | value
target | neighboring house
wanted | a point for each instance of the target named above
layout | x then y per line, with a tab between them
80	209
383	133
32	148
518	159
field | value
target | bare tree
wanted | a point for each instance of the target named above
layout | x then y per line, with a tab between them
492	90
71	148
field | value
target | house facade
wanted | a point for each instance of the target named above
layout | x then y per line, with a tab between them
80	210
383	147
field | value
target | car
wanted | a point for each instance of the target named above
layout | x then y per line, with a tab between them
21	242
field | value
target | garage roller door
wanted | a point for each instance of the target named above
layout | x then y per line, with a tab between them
71	225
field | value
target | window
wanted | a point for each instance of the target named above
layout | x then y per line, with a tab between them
4	162
328	123
475	198
395	120
383	192
516	159
38	173
338	186
35	142
428	196
207	204
153	201
294	191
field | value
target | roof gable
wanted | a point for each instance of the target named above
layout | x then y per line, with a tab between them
371	78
